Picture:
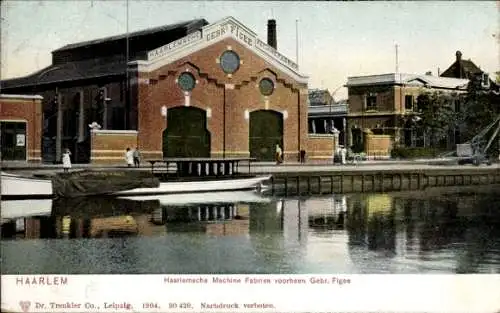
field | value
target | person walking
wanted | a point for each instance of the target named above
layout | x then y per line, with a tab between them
66	160
129	157
137	157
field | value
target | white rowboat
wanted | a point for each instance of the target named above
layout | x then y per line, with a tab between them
199	186
17	186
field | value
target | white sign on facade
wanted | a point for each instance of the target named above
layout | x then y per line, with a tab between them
213	32
163	50
20	140
274	53
230	28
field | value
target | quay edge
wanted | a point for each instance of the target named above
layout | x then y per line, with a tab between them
296	179
378	179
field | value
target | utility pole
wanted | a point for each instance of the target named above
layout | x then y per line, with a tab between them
397	59
297	42
127	94
59	126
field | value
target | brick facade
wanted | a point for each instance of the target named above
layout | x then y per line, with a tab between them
71	89
378	145
26	109
109	146
238	94
384	105
320	147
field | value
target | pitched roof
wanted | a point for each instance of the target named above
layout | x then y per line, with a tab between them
68	72
462	69
98	66
149	31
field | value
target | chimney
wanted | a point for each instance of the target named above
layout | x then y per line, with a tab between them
271	34
459	70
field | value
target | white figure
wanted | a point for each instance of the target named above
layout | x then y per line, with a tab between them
337	154
343	154
129	157
66	160
95	126
279	154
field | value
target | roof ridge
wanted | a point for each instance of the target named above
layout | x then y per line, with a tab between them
131	34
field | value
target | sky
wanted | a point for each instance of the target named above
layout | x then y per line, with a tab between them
336	40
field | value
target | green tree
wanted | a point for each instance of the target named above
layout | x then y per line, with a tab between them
437	117
481	108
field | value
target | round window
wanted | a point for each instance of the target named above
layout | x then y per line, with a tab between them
186	81
266	86
230	62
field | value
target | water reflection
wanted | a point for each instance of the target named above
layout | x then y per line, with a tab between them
371	223
327	214
237	233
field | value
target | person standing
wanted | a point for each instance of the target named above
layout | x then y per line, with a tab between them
129	157
66	160
343	155
137	157
279	155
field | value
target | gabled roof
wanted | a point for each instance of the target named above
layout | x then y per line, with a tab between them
210	34
464	68
149	31
467	69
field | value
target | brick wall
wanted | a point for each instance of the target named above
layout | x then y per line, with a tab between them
320	147
28	109
378	145
217	91
385	95
109	146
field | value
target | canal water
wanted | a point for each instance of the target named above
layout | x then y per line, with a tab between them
433	231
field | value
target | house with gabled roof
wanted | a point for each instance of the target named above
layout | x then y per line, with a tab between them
467	69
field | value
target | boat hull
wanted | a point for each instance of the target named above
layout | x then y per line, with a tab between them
198	186
20	187
13	209
14	187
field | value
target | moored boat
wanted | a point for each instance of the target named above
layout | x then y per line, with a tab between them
24	187
216	185
190	175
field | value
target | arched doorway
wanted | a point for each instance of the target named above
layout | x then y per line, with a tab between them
266	130
186	134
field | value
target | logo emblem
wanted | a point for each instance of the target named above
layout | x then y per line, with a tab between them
25	305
